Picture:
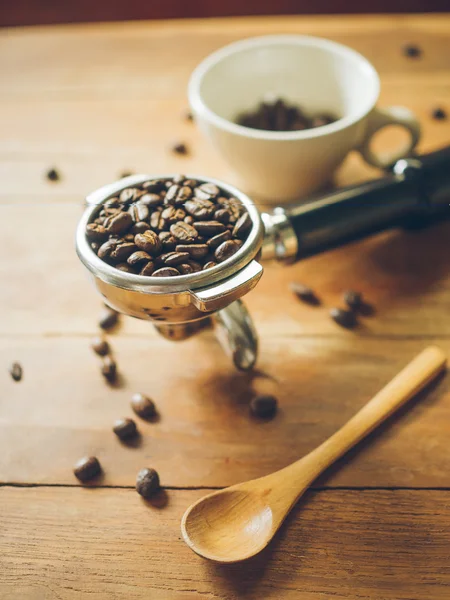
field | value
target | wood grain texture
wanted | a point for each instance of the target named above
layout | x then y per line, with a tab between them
63	410
95	101
103	544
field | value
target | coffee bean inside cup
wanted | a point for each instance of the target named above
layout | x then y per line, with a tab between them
167	228
278	115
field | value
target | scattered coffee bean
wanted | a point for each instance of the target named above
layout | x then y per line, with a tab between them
125	428
100	346
147	483
53	175
108	318
180	148
87	468
125	174
143	406
412	50
304	293
166	272
264	406
225	250
278	115
439	114
353	299
344	318
153	228
188	116
109	369
16	371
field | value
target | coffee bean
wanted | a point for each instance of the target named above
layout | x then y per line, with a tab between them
119	223
177	194
129	237
195	266
140	227
439	114
304	293
264	406
123	251
105	249
188	116
193	250
100	346
168	241
150	200
148	269
200	208
87	468
321	120
344	318
149	242
96	232
138	258
183	231
112	203
185	269
138	212
108	318
143	406
242	226
353	299
166	272
192	183
16	371
109	369
189	220
95	247
154	185
215	241
209	228
225	250
156	221
172	214
129	194
172	259
53	175
222	215
123	266
209	265
147	483
125	174
180	148
206	191
125	429
412	50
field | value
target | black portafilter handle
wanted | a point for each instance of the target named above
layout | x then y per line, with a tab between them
416	193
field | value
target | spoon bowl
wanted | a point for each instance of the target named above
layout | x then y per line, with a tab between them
206	525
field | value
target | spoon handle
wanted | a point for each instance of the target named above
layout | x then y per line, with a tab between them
415	376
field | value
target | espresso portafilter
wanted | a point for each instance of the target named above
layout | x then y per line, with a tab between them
416	192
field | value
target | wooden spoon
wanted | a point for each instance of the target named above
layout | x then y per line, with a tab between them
238	522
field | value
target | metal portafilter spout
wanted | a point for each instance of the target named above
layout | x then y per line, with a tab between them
417	191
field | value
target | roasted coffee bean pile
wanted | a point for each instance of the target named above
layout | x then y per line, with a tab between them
165	228
281	116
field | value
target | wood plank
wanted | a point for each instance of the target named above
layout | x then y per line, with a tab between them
63	410
405	275
102	544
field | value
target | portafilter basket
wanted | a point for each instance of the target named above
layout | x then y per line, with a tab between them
415	193
180	306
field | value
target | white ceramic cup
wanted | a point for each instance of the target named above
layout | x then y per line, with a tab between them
317	74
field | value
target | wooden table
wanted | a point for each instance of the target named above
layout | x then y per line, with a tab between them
94	101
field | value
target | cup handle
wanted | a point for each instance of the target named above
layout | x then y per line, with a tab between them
381	117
